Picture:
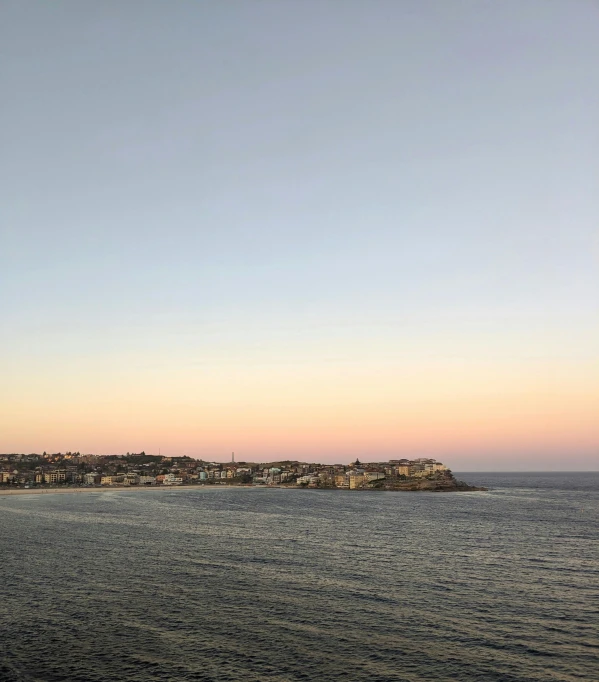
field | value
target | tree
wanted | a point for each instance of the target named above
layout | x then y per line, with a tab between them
243	478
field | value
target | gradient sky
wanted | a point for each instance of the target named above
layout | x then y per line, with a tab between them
313	229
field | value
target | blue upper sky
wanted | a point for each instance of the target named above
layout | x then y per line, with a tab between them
304	181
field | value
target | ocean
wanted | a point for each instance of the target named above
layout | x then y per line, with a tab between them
257	584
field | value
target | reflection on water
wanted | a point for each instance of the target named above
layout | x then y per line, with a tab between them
254	584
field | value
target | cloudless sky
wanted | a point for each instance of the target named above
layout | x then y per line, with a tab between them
312	229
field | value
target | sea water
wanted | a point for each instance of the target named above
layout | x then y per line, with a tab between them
271	584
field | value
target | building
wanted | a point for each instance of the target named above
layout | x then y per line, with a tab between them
7	477
56	476
172	479
356	481
92	479
112	480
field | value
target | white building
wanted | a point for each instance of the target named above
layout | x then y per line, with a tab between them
171	479
147	480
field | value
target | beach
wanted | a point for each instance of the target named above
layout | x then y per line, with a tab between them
99	489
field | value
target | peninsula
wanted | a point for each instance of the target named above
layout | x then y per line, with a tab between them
81	471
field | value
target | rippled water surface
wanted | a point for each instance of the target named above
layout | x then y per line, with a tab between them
254	584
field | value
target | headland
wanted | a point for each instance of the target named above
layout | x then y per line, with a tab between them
75	472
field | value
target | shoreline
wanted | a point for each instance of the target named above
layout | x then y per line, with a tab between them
106	489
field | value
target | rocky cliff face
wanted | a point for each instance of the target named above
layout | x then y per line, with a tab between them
445	482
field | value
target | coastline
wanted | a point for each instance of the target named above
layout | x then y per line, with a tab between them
107	489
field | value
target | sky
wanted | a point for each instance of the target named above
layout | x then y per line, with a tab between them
310	230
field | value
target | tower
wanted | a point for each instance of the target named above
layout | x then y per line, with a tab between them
232	458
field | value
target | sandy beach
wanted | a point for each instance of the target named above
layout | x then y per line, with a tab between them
102	489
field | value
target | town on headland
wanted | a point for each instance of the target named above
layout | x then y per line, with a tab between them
76	470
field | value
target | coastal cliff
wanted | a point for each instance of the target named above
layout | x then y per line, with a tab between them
443	482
